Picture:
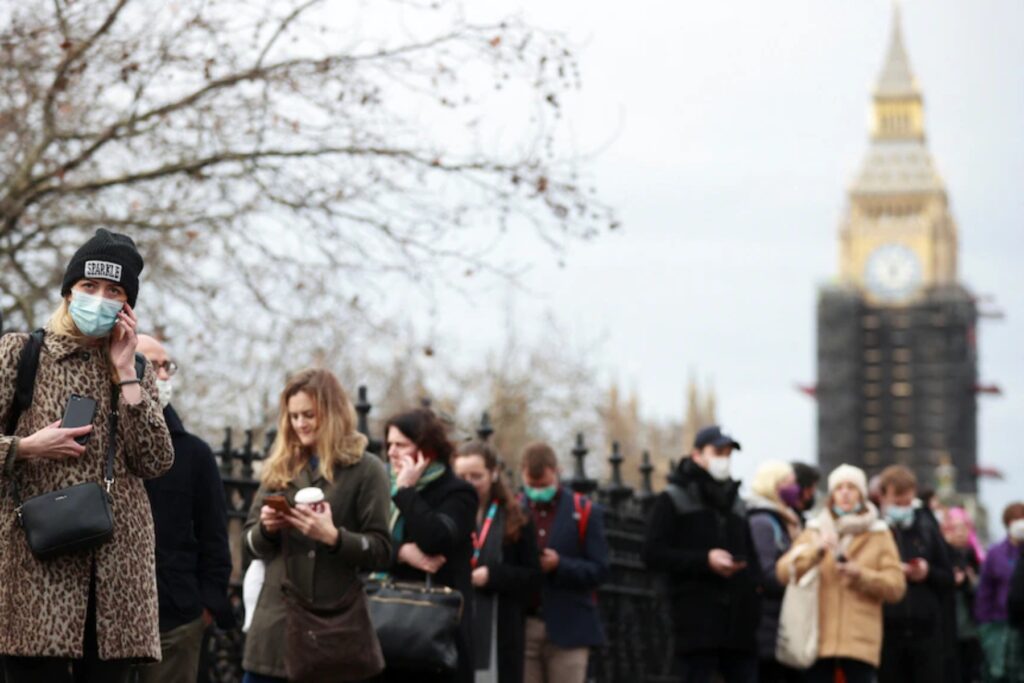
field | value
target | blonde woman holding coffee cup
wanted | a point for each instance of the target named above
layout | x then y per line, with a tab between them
319	518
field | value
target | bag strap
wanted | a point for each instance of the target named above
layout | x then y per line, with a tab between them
108	468
25	384
583	508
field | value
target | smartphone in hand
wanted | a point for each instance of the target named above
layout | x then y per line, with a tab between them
79	412
278	502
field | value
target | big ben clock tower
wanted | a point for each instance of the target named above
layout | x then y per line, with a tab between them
896	356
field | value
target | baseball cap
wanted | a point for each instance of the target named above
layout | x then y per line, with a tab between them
713	436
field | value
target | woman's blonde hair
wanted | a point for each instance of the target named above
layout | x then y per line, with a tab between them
62	323
768	477
337	441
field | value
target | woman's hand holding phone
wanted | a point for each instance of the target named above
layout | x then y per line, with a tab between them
411	470
272	520
53	442
123	342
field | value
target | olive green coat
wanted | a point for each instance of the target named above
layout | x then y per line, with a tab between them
360	500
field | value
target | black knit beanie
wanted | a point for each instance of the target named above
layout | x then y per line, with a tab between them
107	256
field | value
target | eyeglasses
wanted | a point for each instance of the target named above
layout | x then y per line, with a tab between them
169	365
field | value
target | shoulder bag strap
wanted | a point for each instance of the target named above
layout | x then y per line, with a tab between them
24	387
108	468
583	509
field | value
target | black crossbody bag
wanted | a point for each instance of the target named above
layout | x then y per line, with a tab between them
71	519
75	518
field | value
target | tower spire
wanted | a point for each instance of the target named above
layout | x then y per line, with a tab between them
896	79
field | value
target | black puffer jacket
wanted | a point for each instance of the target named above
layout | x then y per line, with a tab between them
709	612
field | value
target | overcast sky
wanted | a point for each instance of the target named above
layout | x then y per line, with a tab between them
727	135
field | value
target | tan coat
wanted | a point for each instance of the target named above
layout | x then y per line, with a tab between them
43	603
850	612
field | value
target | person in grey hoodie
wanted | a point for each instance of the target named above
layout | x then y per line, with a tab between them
773	526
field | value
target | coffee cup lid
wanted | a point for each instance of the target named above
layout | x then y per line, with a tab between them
309	495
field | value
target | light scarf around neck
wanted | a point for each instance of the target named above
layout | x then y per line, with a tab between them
847	527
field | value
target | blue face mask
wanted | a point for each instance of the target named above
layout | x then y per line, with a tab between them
900	515
839	512
94	316
544	495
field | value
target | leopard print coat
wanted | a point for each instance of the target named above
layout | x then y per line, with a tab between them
43	603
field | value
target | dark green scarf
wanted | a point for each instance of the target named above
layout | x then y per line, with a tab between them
395	522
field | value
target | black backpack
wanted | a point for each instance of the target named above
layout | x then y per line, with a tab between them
25	384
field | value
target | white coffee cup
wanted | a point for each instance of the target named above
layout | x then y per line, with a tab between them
311	496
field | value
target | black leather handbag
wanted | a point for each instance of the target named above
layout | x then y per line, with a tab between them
71	519
416	624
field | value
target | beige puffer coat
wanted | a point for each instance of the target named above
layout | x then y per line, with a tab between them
850	611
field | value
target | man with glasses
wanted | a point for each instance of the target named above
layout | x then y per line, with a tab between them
193	562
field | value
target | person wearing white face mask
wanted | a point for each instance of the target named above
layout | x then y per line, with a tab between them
698	535
1003	645
192	556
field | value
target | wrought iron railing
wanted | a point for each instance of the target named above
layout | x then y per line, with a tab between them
634	612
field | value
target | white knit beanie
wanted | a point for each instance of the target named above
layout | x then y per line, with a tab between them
850	474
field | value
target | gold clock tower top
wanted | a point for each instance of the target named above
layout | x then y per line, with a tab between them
898	239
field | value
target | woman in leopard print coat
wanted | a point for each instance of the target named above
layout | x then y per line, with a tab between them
96	609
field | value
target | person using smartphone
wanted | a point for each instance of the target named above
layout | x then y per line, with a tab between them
859	571
433	517
563	625
698	535
60	614
318	549
506	568
921	625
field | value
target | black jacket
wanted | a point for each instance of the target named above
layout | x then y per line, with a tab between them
441	519
1016	601
709	612
513	579
193	561
924	610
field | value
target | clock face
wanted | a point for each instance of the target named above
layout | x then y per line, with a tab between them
892	272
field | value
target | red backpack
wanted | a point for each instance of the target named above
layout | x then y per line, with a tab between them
582	507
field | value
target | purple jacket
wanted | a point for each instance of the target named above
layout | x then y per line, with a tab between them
990	602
